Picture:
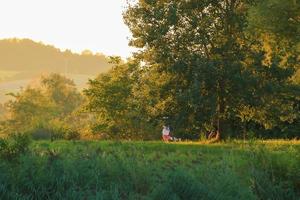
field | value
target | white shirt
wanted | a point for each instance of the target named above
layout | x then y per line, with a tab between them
166	131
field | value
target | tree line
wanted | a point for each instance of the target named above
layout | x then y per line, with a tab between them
29	59
230	67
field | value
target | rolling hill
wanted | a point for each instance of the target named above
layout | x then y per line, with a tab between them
24	60
28	56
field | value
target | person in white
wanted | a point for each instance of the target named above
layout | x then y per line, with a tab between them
166	134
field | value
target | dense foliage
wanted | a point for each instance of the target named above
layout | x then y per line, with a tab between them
206	66
113	98
228	67
45	110
14	146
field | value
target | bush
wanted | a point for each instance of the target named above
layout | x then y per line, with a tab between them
12	147
46	133
72	135
54	130
41	134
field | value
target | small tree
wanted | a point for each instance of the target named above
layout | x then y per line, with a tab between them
112	99
37	108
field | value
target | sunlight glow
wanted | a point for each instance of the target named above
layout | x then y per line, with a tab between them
78	25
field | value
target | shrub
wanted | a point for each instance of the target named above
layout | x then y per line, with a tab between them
72	135
46	133
54	131
12	147
41	134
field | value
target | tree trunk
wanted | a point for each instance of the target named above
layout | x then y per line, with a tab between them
221	112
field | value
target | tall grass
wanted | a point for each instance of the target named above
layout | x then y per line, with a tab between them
152	170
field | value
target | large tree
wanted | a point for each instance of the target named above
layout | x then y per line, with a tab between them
278	17
212	70
277	24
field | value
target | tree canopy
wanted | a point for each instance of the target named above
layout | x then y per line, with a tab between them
218	74
227	67
46	106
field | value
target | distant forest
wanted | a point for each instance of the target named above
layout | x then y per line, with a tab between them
31	58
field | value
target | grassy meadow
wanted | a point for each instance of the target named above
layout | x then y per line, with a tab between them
153	170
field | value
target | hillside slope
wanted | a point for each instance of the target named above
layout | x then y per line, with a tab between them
22	61
28	57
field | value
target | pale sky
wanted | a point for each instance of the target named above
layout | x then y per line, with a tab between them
96	25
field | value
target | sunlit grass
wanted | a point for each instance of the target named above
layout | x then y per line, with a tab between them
154	170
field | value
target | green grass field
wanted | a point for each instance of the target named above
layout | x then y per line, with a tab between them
153	170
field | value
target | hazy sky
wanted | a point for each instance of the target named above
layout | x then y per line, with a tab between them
96	25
